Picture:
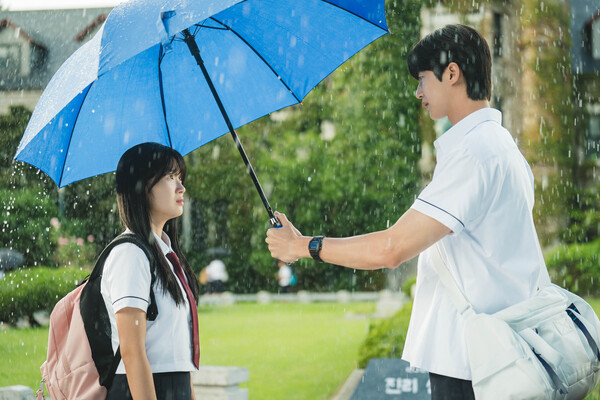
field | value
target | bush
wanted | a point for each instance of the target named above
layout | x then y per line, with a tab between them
584	218
408	285
27	290
386	338
25	222
72	249
576	267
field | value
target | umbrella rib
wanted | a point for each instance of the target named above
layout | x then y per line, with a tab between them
162	97
261	57
62	172
353	13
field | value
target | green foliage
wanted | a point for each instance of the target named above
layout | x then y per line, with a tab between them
576	267
408	285
73	248
25	222
27	196
386	337
553	132
15	174
584	217
25	291
90	208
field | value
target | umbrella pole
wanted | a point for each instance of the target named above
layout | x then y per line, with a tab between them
193	47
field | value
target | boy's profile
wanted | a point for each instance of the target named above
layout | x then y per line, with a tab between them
477	211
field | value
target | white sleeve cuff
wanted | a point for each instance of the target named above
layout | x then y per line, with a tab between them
438	214
130	301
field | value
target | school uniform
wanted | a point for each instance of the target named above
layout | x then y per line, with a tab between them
483	190
126	283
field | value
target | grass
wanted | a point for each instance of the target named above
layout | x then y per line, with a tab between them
292	351
22	351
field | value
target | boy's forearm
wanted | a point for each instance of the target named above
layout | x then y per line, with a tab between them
407	238
366	252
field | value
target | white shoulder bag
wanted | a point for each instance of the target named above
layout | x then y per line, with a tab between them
542	348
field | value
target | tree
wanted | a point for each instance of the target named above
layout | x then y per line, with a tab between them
360	179
27	200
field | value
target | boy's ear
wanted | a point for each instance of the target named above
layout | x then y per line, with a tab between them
453	72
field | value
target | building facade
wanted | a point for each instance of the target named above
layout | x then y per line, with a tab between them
34	44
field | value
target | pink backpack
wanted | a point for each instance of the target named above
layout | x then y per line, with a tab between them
69	371
80	363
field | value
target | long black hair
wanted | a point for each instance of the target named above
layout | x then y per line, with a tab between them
139	169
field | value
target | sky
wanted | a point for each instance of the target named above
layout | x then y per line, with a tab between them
15	5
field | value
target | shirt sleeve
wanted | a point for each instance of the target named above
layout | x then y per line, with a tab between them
128	277
455	196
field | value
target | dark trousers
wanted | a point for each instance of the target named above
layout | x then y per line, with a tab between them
168	386
284	289
447	388
215	287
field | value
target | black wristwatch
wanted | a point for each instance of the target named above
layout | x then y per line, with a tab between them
314	247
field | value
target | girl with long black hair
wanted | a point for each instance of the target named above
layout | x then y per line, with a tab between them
157	356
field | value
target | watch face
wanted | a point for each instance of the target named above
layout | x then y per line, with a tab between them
313	245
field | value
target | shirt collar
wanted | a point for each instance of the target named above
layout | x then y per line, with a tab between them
164	242
453	136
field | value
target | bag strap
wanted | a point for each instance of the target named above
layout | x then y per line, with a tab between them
456	294
96	274
98	270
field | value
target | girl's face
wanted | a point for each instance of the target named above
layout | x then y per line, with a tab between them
166	199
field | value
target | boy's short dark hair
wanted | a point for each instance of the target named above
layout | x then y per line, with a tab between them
462	45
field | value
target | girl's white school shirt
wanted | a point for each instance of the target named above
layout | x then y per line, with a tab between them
126	283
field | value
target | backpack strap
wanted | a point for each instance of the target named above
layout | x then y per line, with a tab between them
95	315
98	270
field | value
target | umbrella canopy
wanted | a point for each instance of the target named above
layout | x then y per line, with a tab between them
136	80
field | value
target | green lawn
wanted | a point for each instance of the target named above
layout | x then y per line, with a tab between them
22	351
292	351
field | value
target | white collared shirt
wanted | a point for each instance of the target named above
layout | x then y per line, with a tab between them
126	283
482	189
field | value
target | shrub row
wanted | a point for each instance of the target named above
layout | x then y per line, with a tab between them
576	267
25	291
386	337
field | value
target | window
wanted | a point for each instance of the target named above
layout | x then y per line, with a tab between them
595	39
10	60
592	134
591	36
592	140
497	35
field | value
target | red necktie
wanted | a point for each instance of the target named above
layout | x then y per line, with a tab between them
172	257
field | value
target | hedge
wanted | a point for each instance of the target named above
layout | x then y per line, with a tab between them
576	267
386	337
27	290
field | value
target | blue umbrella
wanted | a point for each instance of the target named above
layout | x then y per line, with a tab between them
185	72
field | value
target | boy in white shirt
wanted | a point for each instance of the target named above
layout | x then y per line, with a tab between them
477	209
